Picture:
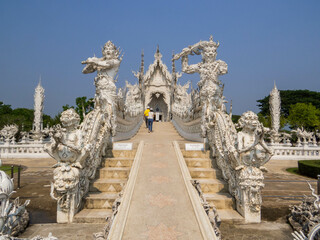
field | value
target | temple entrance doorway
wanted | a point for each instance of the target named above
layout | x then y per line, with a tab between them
159	106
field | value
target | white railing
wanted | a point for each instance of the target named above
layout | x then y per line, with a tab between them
296	153
127	128
23	150
190	130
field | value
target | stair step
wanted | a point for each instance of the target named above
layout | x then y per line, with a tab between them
220	200
92	216
198	162
205	173
228	215
213	185
122	154
108	185
195	154
100	200
114	172
117	162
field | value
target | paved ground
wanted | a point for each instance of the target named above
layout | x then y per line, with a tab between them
282	189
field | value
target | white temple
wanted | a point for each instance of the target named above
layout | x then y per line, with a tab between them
157	86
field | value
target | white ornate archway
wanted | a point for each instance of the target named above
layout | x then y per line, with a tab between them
156	98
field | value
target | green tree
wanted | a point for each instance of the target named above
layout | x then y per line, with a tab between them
304	115
5	109
66	107
22	117
235	118
288	98
84	106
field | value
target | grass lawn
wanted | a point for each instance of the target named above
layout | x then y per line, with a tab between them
293	170
7	169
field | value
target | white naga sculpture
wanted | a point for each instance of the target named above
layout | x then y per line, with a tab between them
304	137
181	100
209	69
38	112
79	149
275	107
133	103
14	217
9	132
240	156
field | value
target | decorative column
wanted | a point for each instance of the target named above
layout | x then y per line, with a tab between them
38	112
275	107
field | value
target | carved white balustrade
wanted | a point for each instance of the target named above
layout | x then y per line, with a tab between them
296	153
23	150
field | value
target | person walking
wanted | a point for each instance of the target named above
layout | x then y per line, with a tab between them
146	113
150	119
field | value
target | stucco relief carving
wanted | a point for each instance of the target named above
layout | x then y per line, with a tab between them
181	101
133	102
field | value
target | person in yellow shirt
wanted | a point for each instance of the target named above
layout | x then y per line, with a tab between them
146	114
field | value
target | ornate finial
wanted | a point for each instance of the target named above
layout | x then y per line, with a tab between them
211	38
274	84
157	55
39	84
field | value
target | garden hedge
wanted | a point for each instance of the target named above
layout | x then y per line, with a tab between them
310	168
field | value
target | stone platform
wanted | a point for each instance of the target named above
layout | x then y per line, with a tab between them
147	213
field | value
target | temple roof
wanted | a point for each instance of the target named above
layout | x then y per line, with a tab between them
152	68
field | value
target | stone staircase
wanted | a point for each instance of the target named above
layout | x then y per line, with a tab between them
111	178
215	189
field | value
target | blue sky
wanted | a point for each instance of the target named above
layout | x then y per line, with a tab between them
261	41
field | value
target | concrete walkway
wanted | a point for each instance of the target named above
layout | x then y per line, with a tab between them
160	206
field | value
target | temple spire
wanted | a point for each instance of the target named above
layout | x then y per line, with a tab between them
173	64
275	112
158	55
38	111
142	63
